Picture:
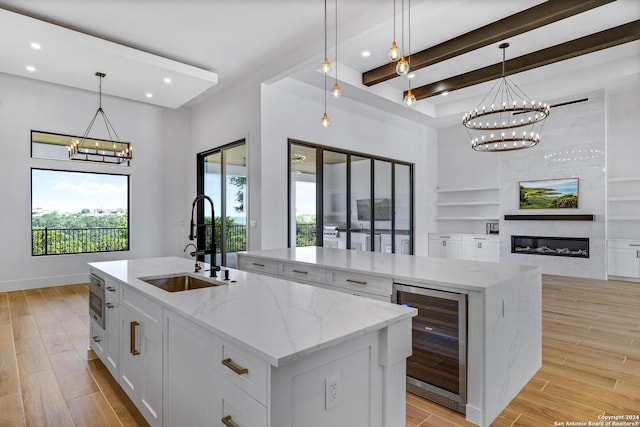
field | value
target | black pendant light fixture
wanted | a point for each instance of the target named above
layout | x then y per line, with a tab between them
97	150
506	119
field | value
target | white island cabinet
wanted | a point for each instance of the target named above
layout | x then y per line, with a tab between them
252	351
504	308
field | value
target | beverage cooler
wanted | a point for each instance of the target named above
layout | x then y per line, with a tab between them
437	368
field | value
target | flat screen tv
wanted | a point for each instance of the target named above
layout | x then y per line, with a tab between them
382	210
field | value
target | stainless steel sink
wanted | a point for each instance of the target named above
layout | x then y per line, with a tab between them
181	282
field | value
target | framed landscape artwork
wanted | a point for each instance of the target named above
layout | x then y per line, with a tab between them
549	194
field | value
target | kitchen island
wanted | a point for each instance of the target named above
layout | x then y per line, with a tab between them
504	309
253	350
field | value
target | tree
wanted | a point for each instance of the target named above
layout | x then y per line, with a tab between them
240	182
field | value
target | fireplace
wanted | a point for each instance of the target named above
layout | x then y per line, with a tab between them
555	246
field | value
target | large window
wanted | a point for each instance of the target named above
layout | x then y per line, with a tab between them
222	175
78	212
349	200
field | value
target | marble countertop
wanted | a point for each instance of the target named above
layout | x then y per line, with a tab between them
450	273
277	320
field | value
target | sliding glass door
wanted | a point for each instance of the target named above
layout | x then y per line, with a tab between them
222	175
347	200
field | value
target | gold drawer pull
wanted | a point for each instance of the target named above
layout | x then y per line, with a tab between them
111	289
357	282
132	334
240	371
109	305
257	264
300	271
96	338
227	421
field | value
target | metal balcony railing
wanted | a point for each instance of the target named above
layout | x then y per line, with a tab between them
58	241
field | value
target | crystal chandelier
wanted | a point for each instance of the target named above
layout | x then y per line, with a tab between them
506	119
111	151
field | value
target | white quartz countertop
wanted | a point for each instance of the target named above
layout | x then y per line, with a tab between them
275	319
452	273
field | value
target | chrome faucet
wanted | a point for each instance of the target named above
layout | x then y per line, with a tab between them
195	254
193	233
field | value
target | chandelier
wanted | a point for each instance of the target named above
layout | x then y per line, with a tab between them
102	151
506	119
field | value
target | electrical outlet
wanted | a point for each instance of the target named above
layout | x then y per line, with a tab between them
333	390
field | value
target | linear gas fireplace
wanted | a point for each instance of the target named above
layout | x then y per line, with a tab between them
555	246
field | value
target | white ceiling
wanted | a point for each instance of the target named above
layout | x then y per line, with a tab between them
271	40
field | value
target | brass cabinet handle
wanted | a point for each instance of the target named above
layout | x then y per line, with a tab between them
109	305
96	338
227	421
111	289
229	364
357	282
257	264
132	334
300	271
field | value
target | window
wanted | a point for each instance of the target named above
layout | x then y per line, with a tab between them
349	200
78	212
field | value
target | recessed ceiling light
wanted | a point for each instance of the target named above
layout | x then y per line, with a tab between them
410	76
445	93
167	80
35	46
366	54
149	95
31	68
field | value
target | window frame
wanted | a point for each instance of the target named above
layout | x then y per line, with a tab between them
128	216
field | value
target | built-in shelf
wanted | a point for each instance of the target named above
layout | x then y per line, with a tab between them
624	218
479	203
625	199
551	217
464	218
625	179
455	190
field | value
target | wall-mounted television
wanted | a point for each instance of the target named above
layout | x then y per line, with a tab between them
382	209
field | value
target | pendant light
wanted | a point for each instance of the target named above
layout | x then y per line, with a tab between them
326	65
402	67
336	87
325	118
509	120
394	52
409	97
104	151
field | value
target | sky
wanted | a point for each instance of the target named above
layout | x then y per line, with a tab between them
70	192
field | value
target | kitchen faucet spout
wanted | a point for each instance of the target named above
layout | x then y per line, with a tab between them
193	233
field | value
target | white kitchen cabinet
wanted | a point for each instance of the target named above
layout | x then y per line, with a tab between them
112	327
623	258
98	338
445	245
141	354
480	248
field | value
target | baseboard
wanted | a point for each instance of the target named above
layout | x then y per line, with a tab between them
474	415
42	282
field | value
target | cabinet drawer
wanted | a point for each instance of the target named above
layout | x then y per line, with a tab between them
360	282
258	265
97	338
112	292
241	368
238	408
142	305
303	272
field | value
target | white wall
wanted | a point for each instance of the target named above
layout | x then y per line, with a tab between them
293	110
26	105
223	118
574	127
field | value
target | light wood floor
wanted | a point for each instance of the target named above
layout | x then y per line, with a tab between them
591	361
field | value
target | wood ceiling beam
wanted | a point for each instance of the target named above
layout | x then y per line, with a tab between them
521	22
592	43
